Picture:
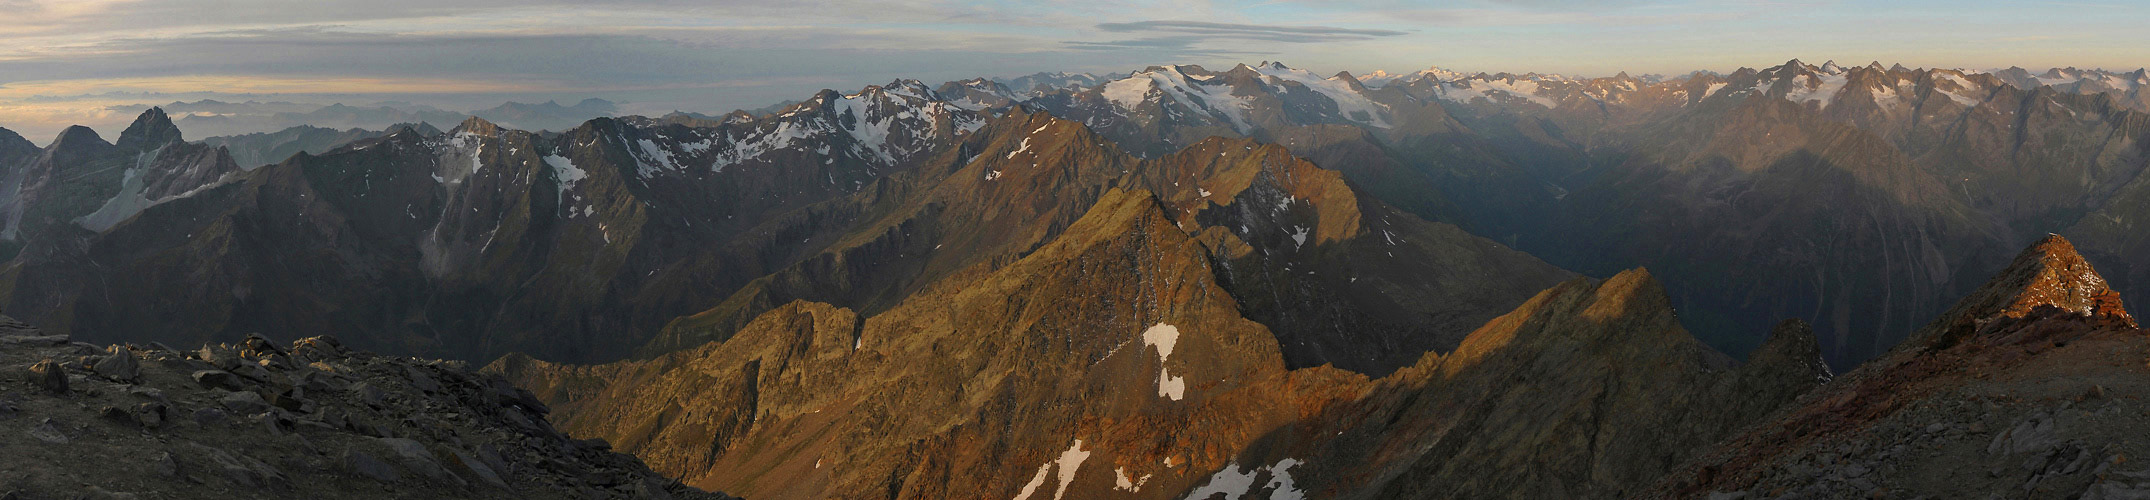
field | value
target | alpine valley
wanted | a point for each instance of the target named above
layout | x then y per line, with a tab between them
1800	281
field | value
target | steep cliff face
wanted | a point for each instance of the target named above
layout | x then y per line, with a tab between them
81	184
2032	386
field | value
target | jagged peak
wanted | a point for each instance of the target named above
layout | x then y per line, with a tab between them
150	130
11	140
1631	291
1791	346
2048	274
477	126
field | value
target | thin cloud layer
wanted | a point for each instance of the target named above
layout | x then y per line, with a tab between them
72	61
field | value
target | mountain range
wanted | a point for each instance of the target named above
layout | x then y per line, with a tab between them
1180	282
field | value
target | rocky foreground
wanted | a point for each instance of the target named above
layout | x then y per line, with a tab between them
2036	386
256	420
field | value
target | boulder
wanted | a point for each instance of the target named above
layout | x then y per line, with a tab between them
371	468
151	415
149	393
48	375
121	365
419	379
244	402
217	379
219	355
318	348
258	347
210	416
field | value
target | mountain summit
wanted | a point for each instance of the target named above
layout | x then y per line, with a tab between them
2048	276
149	131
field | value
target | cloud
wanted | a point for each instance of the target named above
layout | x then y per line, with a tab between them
1256	31
1202	39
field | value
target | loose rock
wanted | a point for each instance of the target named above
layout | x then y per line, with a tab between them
49	376
217	379
121	365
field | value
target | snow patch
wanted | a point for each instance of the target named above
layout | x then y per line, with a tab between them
1465	91
1163	337
1120	480
1069	463
1821	88
1349	102
1035	482
565	170
1019	148
1235	483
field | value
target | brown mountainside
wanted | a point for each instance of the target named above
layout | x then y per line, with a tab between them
999	381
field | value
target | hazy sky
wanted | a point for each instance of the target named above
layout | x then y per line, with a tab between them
66	61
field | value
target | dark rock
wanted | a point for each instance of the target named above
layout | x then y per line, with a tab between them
530	401
289	401
244	402
47	432
217	379
420	380
239	468
96	493
318	348
164	464
369	394
149	393
210	416
219	355
121	365
152	415
320	381
257	346
117	414
11	327
371	468
49	376
475	467
415	457
253	372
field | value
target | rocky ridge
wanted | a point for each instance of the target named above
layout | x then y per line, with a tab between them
259	420
2032	387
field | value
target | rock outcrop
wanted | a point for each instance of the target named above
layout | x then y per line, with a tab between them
257	420
2033	387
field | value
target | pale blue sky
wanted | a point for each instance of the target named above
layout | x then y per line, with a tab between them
64	61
